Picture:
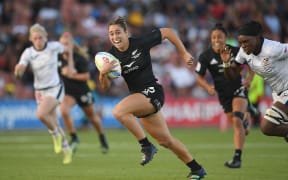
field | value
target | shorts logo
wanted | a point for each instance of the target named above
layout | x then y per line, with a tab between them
148	90
158	104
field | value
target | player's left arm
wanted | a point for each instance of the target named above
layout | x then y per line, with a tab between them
168	33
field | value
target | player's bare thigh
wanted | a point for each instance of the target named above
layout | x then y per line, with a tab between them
136	104
239	104
47	105
68	102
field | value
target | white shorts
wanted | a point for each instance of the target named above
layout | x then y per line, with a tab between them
56	92
282	98
274	114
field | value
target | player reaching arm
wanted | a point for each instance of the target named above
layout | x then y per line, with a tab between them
232	94
49	91
269	59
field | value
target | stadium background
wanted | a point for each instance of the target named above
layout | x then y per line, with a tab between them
188	105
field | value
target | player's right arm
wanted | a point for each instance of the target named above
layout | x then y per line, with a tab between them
22	65
105	81
204	84
19	70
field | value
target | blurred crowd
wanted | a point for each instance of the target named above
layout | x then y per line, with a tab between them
87	21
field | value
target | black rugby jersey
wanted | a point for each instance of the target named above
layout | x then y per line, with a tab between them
73	86
136	60
212	61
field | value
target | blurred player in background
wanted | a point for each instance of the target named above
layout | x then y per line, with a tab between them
256	92
49	91
232	94
75	74
269	59
146	96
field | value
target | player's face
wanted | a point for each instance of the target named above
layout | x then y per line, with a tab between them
66	43
38	39
218	39
248	43
118	37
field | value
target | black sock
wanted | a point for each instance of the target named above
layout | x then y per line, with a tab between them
102	137
74	136
193	165
237	154
144	142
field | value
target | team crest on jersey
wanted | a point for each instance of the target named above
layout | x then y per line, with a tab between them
266	62
135	54
213	61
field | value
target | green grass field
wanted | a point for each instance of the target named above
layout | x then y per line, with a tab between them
28	155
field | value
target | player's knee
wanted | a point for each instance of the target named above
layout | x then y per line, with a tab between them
118	114
165	142
238	114
266	129
237	119
41	116
64	111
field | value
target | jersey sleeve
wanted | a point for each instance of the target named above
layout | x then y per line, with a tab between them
201	66
151	39
280	51
240	57
25	57
81	64
57	46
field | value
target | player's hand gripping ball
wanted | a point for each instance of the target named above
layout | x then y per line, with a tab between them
102	57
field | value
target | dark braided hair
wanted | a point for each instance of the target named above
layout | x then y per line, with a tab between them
251	28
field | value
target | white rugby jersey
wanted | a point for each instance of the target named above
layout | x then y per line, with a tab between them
44	64
271	63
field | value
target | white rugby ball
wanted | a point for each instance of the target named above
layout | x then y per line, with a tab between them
102	57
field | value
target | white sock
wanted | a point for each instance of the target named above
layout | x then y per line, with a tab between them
54	132
65	145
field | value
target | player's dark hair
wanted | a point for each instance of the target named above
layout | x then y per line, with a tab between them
252	28
219	26
119	21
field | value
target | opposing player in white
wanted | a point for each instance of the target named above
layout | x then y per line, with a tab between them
43	59
269	59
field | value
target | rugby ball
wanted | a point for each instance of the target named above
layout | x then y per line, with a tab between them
102	57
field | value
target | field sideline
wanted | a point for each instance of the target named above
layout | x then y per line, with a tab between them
28	155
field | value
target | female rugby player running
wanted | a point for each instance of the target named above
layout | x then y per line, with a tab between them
74	72
146	96
49	91
268	59
232	94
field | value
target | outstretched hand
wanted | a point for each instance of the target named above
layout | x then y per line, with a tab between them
225	54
